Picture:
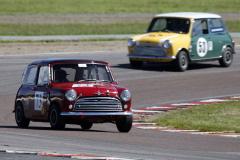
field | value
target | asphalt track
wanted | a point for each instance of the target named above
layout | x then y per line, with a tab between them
154	84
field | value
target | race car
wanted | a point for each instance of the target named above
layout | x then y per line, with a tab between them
72	91
181	38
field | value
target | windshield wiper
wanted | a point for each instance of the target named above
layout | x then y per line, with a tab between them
167	30
107	81
94	80
85	80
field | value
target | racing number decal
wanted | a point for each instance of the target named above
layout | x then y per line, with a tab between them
202	47
38	101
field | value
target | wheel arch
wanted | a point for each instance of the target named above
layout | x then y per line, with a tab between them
185	50
227	45
15	105
50	107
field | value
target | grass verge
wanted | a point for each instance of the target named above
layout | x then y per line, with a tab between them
85	29
209	117
115	6
72	29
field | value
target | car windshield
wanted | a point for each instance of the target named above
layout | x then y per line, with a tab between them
81	72
178	25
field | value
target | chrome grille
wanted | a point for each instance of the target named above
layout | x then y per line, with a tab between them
149	50
98	104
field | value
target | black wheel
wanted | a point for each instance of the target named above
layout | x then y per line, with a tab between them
125	124
136	64
56	120
182	61
227	57
21	121
86	125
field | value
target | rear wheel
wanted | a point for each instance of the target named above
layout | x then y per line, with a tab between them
21	121
86	125
125	124
56	120
182	61
136	64
227	57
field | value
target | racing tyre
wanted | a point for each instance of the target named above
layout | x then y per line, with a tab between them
125	124
56	120
182	61
21	121
136	64
86	125
227	57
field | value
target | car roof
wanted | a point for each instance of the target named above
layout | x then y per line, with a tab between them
193	15
56	60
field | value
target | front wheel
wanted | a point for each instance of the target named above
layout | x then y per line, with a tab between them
125	124
182	61
227	57
21	121
56	120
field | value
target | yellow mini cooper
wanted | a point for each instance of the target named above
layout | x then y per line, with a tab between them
182	37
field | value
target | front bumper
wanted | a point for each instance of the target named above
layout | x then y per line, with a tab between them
151	57
96	113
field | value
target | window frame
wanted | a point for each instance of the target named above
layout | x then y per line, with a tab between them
38	74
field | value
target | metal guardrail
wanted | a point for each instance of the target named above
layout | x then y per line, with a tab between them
77	37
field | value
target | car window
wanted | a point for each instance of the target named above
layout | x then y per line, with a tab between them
43	76
200	27
29	75
178	25
63	73
217	26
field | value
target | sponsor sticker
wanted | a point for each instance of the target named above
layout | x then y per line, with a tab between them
82	85
82	65
217	30
210	45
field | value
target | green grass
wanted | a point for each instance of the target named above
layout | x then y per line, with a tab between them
85	29
233	26
211	117
72	29
115	6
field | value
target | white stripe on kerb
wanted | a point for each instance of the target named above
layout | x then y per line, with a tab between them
214	100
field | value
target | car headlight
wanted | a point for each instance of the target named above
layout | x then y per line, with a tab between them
125	95
131	42
167	44
71	95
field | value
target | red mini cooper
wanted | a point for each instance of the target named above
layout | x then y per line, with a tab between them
72	91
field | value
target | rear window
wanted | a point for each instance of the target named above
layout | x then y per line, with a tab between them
217	26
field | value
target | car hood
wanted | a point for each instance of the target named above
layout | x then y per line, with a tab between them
93	89
156	38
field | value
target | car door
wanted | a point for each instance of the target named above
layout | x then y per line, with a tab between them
201	41
218	35
41	93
